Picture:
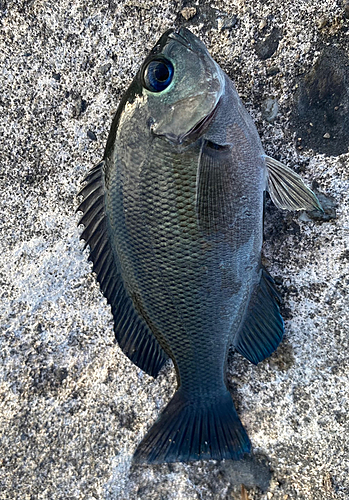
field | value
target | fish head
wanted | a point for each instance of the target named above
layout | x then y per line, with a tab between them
181	86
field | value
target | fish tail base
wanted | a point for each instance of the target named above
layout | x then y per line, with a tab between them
195	429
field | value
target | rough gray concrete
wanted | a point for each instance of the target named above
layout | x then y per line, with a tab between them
72	406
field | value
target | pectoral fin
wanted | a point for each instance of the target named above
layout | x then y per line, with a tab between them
287	189
215	184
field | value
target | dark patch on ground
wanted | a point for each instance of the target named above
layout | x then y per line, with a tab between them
345	255
48	379
283	358
267	46
321	114
252	471
127	418
278	223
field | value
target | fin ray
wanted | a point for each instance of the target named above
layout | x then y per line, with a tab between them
214	186
193	429
91	198
287	189
263	327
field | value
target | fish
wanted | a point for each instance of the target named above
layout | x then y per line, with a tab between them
173	216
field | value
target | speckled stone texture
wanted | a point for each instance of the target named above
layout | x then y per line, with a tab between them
72	406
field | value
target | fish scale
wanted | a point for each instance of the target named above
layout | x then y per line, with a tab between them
174	219
180	263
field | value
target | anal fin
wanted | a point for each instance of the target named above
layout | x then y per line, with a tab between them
131	330
263	327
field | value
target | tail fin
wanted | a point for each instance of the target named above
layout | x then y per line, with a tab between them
195	429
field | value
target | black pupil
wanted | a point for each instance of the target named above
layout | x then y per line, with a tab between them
158	75
161	72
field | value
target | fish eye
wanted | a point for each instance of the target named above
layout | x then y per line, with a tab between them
158	75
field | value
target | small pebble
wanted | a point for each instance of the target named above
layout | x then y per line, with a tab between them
267	47
105	68
262	24
91	135
270	109
274	70
229	22
322	22
188	12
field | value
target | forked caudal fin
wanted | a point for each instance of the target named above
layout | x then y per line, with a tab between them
189	429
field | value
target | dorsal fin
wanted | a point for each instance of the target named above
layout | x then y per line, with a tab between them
131	331
263	327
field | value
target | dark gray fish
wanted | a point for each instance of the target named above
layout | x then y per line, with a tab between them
173	216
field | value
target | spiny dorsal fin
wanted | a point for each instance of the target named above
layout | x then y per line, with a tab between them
131	331
263	327
287	189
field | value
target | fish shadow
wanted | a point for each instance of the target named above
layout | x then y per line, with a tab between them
253	470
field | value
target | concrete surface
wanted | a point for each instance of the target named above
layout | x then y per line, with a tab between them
72	406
